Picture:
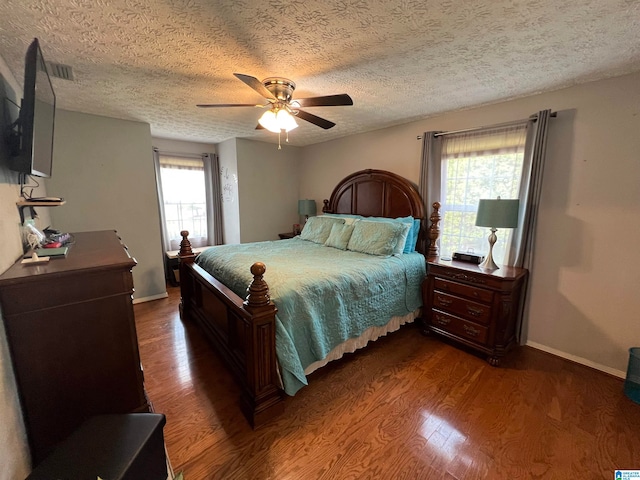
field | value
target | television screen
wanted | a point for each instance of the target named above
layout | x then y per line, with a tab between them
37	116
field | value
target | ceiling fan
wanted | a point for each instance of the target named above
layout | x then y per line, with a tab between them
280	116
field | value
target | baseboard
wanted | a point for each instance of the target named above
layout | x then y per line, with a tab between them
170	473
149	299
580	360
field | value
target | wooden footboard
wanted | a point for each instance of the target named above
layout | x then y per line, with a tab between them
241	330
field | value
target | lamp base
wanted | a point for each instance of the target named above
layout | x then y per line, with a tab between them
488	263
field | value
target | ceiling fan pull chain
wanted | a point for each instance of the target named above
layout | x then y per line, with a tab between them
279	146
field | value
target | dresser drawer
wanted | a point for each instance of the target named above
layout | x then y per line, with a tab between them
468	291
477	312
460	327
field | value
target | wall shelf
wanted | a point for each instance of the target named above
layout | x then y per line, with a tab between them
30	204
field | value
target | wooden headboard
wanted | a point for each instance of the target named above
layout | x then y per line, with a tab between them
375	193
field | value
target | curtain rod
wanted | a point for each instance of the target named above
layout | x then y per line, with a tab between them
497	125
178	154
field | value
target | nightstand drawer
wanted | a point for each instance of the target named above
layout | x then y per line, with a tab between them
464	290
460	327
477	312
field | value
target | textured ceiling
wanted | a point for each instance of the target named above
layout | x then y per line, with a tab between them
399	60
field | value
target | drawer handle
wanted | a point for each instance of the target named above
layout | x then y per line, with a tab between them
476	312
444	301
462	276
443	320
471	331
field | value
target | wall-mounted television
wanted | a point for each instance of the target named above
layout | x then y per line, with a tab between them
34	155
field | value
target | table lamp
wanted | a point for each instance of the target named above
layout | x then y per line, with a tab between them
306	208
496	213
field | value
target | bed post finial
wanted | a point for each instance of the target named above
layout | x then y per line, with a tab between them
434	230
185	244
325	208
185	254
258	290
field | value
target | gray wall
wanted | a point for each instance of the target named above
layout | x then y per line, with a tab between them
103	167
260	189
584	285
268	189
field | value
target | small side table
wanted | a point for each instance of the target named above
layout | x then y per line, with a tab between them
172	264
285	236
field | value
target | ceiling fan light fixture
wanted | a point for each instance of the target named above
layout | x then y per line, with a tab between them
276	120
286	121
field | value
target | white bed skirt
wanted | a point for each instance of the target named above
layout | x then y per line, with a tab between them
371	334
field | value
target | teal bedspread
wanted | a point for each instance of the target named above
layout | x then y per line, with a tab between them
324	295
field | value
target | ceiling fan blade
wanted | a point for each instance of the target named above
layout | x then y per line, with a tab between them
259	127
214	105
321	122
256	84
326	101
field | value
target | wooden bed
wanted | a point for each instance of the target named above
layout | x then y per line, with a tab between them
242	330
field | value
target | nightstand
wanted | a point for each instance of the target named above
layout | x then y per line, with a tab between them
284	236
478	308
172	264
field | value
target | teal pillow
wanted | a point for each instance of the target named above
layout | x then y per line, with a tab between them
415	231
339	236
412	238
377	238
317	229
405	238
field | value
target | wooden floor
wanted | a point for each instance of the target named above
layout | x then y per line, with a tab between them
406	407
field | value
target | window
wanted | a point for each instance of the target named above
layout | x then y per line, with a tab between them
480	164
183	187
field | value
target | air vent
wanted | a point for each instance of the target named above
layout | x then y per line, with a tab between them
59	70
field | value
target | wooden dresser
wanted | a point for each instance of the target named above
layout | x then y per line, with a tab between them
478	308
72	338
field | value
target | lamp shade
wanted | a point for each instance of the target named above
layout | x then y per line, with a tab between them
497	213
307	207
268	121
286	121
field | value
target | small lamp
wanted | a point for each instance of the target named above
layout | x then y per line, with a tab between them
496	213
306	208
